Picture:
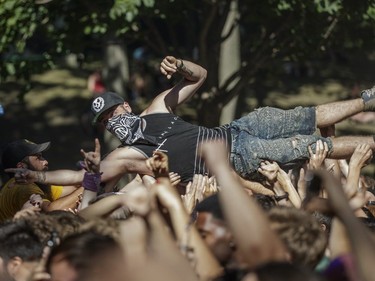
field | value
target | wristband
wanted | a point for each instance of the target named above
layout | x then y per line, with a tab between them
91	181
179	67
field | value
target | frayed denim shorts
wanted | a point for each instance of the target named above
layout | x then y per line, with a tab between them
273	134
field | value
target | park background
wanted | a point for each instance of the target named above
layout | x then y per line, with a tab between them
279	53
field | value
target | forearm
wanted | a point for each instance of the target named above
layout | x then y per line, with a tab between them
190	240
191	71
255	187
164	247
338	241
234	202
59	177
66	202
362	244
286	184
102	208
352	181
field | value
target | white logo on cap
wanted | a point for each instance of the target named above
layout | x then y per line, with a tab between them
98	104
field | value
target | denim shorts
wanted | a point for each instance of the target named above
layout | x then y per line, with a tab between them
273	134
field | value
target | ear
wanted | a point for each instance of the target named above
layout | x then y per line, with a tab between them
13	266
127	107
323	227
21	165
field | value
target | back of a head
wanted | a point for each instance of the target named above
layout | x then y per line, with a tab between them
301	234
56	224
266	202
283	271
18	239
210	205
83	252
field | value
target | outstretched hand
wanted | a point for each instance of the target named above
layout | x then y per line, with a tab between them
92	158
158	163
317	159
25	176
361	156
269	169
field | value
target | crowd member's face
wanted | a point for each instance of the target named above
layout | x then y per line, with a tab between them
61	270
3	272
216	235
16	269
37	162
113	112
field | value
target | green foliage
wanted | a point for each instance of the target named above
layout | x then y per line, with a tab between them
272	31
328	6
128	9
18	22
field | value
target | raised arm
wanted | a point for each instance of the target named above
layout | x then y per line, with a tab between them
250	226
193	77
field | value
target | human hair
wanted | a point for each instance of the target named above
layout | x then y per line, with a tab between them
266	202
301	234
369	222
210	205
103	226
284	271
325	220
18	239
84	251
57	223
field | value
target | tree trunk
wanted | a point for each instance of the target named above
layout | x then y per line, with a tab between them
230	60
211	112
116	67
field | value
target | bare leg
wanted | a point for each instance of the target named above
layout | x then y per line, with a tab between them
332	113
343	147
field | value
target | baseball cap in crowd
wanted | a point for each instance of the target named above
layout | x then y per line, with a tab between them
16	151
103	102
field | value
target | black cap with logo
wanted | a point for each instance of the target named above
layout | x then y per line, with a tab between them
104	102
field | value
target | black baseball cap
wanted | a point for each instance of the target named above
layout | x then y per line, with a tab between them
16	151
104	102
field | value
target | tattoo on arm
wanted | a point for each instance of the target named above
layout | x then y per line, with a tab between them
183	69
41	177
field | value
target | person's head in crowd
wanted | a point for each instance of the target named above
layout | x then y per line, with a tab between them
282	271
87	255
210	223
55	225
324	220
370	223
20	250
265	201
108	105
25	154
301	234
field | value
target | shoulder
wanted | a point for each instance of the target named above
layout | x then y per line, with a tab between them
158	105
12	186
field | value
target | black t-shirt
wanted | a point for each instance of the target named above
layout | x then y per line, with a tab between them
179	140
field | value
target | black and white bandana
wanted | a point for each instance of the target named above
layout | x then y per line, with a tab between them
127	127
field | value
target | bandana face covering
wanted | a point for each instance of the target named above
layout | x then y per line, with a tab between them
126	127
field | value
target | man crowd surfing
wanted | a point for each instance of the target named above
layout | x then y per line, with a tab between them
273	195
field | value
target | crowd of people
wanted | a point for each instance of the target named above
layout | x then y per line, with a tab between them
274	195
